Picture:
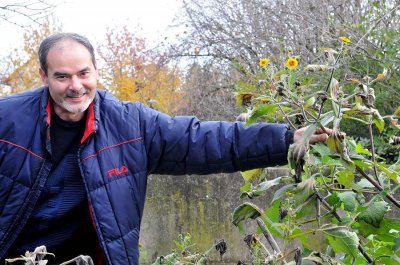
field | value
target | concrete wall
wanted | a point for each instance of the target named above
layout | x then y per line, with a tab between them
199	205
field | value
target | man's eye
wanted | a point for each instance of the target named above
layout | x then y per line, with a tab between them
61	77
85	73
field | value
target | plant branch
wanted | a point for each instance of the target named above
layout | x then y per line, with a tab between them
268	235
371	139
286	118
379	187
318	210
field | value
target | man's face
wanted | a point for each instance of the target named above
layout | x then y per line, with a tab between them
71	78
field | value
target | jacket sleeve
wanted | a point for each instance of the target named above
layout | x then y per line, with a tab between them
186	145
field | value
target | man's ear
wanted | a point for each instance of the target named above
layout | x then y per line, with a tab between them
43	76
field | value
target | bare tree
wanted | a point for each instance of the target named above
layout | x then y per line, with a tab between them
23	12
242	31
237	33
208	93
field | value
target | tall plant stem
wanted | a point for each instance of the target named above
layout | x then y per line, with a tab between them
371	139
268	235
379	187
329	83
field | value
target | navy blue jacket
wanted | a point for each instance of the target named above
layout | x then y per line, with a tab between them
123	143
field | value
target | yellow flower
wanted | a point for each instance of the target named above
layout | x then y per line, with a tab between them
345	39
292	63
380	77
263	62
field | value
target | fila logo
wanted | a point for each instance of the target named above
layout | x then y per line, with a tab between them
117	171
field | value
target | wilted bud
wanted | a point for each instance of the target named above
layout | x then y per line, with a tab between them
395	140
299	151
282	213
221	247
297	257
250	240
296	158
317	67
367	78
353	80
370	99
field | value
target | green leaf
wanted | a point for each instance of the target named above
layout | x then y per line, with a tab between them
393	171
343	241
334	198
374	213
246	187
272	212
363	163
262	187
304	190
309	102
245	211
396	244
378	121
309	240
261	110
348	198
364	183
327	118
397	112
361	150
321	149
282	191
345	177
242	229
253	174
334	144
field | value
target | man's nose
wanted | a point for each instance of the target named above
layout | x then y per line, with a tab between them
75	83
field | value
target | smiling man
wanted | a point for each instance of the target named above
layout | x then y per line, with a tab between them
69	70
74	160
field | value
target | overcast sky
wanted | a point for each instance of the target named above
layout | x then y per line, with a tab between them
92	17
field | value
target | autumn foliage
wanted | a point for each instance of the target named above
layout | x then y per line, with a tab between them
24	63
133	74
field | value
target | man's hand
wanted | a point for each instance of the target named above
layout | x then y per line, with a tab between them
320	135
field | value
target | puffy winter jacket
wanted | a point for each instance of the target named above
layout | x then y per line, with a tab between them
123	143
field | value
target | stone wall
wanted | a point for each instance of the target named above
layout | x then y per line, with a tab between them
199	205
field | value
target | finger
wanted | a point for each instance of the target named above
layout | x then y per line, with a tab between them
319	138
324	130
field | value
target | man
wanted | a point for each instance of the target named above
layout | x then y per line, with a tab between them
74	160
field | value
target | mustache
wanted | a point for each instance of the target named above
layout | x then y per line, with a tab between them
76	93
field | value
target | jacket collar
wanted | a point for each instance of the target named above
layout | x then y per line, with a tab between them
91	117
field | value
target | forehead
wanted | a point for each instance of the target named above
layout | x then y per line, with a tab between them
67	45
69	53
